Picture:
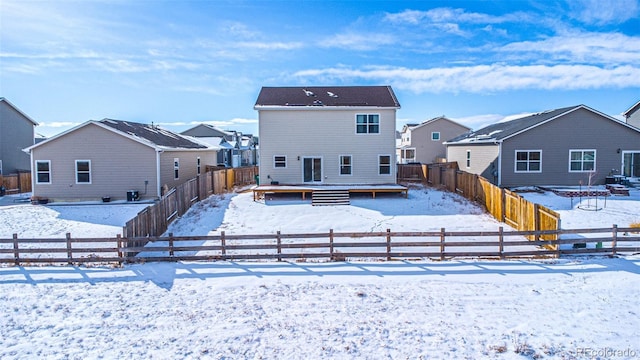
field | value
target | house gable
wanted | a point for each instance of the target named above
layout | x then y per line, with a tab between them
16	133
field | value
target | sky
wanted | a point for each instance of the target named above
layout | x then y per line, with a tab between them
180	63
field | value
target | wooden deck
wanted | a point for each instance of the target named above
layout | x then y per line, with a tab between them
260	191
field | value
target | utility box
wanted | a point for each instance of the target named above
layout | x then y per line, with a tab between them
133	195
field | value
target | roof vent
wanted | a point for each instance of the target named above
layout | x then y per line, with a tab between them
332	94
308	93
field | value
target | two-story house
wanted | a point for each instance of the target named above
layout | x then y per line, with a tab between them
424	143
16	134
331	135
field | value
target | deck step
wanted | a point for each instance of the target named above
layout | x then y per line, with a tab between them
330	197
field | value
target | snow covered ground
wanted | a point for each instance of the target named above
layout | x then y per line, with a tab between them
580	308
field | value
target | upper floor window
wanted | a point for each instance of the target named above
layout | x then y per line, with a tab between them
435	136
528	161
279	161
83	171
367	123
43	172
582	160
345	164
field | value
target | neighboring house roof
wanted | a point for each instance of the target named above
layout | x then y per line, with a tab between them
209	131
428	122
336	96
146	134
503	130
632	110
2	99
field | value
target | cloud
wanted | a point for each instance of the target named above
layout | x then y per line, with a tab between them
604	48
354	41
485	78
449	15
601	12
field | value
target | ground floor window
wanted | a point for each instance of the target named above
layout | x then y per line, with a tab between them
345	164
582	160
528	161
384	165
43	172
83	171
408	155
176	169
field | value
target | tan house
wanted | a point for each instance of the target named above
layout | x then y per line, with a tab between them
115	160
424	143
334	135
632	115
16	133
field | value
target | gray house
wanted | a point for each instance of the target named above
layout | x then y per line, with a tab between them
236	149
327	135
632	115
115	159
568	146
16	133
424	143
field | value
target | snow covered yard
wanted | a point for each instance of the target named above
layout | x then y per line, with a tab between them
580	308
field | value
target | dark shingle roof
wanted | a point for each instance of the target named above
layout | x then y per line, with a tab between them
502	130
153	134
374	96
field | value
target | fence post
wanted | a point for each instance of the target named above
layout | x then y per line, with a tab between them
69	252
222	244
441	243
536	219
331	244
170	244
388	244
503	203
16	252
119	245
614	241
501	242
279	240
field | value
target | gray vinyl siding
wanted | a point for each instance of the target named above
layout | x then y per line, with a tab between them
580	129
484	159
16	133
634	119
327	134
427	150
188	165
118	165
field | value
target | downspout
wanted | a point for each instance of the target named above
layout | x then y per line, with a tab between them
500	163
158	185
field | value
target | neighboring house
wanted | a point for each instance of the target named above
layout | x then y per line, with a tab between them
424	143
327	135
236	149
632	115
568	146
16	133
110	158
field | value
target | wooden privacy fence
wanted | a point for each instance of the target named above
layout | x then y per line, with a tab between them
16	183
155	219
504	205
335	246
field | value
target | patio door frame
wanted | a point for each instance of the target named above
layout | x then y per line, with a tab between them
634	167
314	165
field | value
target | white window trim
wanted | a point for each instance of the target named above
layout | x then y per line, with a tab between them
340	164
285	162
408	159
595	160
43	161
176	168
433	133
390	164
367	133
90	174
515	161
